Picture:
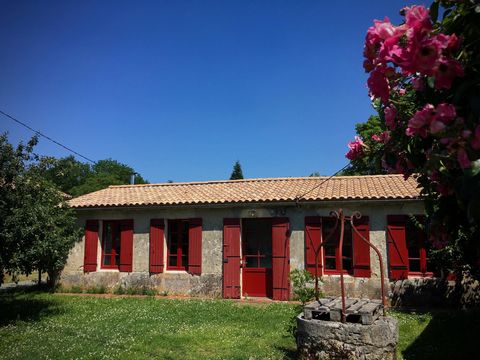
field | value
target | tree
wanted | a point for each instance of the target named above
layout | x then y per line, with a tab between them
425	81
37	228
76	178
315	174
11	166
371	162
66	173
237	173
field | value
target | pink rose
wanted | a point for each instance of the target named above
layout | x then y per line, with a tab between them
356	149
445	113
390	114
418	84
446	71
466	134
476	139
426	56
384	29
463	159
418	18
378	85
437	126
420	120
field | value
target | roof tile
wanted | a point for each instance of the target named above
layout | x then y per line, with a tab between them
369	187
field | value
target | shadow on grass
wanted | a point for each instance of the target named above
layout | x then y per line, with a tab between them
22	305
290	354
449	335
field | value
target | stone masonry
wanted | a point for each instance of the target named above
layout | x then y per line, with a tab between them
210	281
330	340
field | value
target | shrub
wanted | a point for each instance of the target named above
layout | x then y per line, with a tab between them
119	290
97	289
303	285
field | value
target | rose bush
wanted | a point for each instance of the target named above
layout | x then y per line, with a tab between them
424	81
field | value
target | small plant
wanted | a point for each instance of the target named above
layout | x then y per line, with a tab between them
140	290
303	285
75	289
119	290
96	290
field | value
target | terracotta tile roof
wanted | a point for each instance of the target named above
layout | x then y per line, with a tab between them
253	191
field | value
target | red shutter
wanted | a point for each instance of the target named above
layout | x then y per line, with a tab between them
157	228
313	238
397	247
126	245
91	246
361	250
280	258
195	246
231	258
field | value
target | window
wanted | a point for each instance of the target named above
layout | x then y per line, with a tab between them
417	250
111	244
331	251
407	247
178	244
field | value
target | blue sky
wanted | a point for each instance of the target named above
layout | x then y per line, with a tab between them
181	89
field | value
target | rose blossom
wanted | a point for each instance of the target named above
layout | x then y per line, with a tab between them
418	18
446	71
463	159
418	84
390	114
476	138
445	112
356	149
378	85
422	118
437	126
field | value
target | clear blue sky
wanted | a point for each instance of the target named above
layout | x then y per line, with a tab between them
181	89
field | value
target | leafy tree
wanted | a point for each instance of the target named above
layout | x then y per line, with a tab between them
371	162
237	173
76	178
37	228
66	173
315	174
44	227
12	162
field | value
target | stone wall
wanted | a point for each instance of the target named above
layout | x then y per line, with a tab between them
318	339
210	282
435	292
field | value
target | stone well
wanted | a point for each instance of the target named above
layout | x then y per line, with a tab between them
323	339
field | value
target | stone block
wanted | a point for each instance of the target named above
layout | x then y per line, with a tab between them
318	339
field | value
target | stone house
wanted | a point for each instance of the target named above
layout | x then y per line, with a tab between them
242	238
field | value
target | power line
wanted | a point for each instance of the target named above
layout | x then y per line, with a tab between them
46	137
299	197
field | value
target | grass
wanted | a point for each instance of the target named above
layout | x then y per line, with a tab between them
22	277
41	325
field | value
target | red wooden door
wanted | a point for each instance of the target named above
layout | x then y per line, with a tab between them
281	258
257	258
231	258
397	248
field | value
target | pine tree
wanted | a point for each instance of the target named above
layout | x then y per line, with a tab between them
237	171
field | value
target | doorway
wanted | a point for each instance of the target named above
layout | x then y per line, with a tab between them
257	258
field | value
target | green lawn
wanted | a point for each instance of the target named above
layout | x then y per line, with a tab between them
40	325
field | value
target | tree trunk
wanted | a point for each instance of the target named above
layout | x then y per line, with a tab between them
39	278
52	279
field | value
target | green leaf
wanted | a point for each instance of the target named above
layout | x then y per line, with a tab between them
431	82
475	169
